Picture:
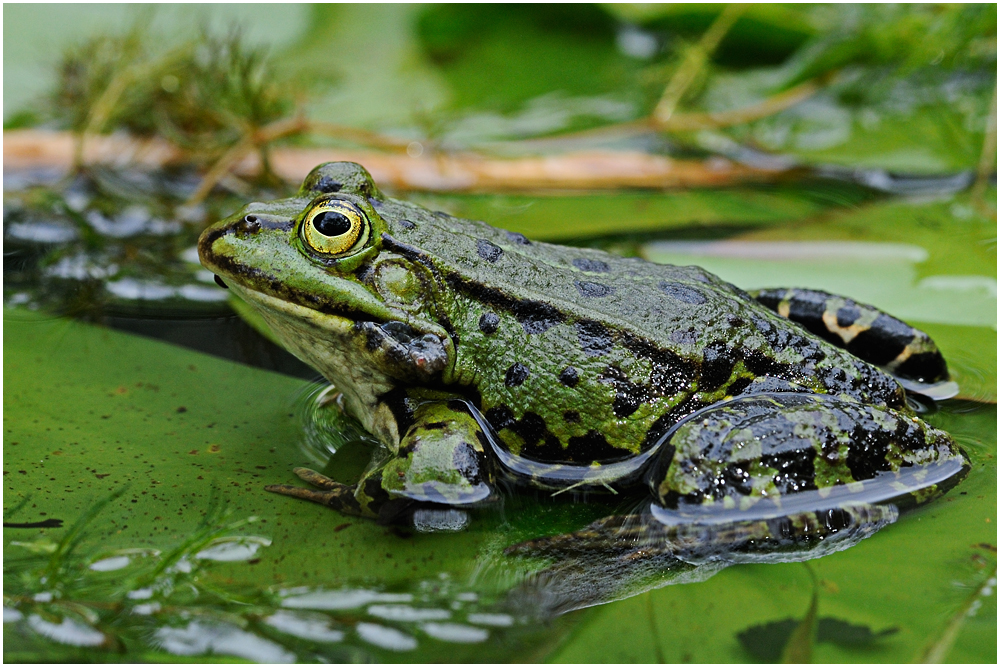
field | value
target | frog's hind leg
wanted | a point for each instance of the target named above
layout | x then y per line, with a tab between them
865	331
776	471
773	455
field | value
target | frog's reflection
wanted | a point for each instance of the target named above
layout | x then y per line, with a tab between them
626	555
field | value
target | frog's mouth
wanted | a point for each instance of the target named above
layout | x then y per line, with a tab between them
329	295
286	319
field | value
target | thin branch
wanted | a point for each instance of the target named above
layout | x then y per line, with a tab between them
763	109
937	650
987	159
357	135
695	60
251	141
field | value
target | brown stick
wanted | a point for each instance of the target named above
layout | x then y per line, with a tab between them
458	172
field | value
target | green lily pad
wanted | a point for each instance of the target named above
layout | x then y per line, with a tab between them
188	441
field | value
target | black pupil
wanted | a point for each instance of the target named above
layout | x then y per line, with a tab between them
331	223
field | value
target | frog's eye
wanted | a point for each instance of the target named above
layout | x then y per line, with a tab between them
335	226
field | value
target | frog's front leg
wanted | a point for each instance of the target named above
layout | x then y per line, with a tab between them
440	461
865	331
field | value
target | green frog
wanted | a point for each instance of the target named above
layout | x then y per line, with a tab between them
477	356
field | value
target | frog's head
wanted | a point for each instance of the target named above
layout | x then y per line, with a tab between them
314	266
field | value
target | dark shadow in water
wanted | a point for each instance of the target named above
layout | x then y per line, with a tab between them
224	337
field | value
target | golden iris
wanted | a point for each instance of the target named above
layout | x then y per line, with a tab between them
334	227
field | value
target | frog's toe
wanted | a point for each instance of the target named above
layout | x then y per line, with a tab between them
334	495
315	478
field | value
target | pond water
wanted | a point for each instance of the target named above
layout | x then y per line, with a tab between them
145	408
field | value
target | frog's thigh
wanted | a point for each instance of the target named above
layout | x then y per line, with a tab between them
865	331
770	447
441	458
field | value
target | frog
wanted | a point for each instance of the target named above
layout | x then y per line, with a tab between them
482	360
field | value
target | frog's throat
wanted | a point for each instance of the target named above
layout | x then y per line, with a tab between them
324	341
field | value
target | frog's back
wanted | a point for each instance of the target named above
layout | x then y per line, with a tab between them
580	355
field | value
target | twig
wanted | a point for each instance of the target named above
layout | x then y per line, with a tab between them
357	135
937	650
987	159
252	140
100	111
763	109
695	60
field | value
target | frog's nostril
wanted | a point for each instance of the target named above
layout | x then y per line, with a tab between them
220	282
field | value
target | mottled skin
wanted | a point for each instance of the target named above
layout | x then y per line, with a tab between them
469	350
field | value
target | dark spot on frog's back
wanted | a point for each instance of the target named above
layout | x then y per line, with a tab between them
532	429
516	375
870	442
488	251
593	290
500	417
591	265
489	323
406	224
519	239
717	366
682	293
594	337
581	450
628	395
571	417
326	185
594	447
537	317
569	376
534	316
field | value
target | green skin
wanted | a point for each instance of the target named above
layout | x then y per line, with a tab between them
471	352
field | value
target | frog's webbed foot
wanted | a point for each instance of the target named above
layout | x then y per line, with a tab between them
866	332
341	497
